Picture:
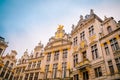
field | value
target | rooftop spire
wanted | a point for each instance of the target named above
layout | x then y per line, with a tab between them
91	11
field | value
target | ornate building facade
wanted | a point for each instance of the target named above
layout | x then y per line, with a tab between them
7	62
90	52
95	43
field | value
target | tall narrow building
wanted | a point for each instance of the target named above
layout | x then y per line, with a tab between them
57	56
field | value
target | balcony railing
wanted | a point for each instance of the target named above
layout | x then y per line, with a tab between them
83	64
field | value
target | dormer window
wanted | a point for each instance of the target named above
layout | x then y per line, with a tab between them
109	29
91	30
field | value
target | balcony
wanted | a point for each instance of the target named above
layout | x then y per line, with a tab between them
83	64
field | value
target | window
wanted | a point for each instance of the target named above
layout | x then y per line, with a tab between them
36	76
94	51
117	60
109	29
56	55
3	72
65	53
11	65
82	36
48	56
34	64
38	64
11	77
111	67
36	55
7	74
84	55
26	76
98	72
46	71
1	51
91	30
41	54
75	59
85	75
106	48
76	77
55	70
31	76
75	41
29	66
64	69
19	70
114	44
21	77
6	64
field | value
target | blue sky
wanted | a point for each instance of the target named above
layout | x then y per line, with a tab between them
23	23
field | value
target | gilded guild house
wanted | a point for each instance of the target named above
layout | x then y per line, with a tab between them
90	52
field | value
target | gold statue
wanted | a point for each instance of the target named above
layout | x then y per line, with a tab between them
59	33
60	27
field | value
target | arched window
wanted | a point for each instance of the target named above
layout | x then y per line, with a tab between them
7	63
36	55
109	29
11	65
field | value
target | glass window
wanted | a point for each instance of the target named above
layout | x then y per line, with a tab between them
117	60
38	64
98	72
7	74
29	66
56	55
36	76
111	67
75	59
36	55
26	76
85	75
109	29
91	30
84	55
48	56
65	53
114	44
106	48
82	36
46	71
34	64
94	51
76	77
6	64
55	70
75	41
31	76
64	65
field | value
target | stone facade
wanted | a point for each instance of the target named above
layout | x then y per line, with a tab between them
90	52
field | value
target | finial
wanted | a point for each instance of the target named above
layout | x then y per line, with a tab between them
39	43
105	17
73	27
81	17
60	27
26	50
91	11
